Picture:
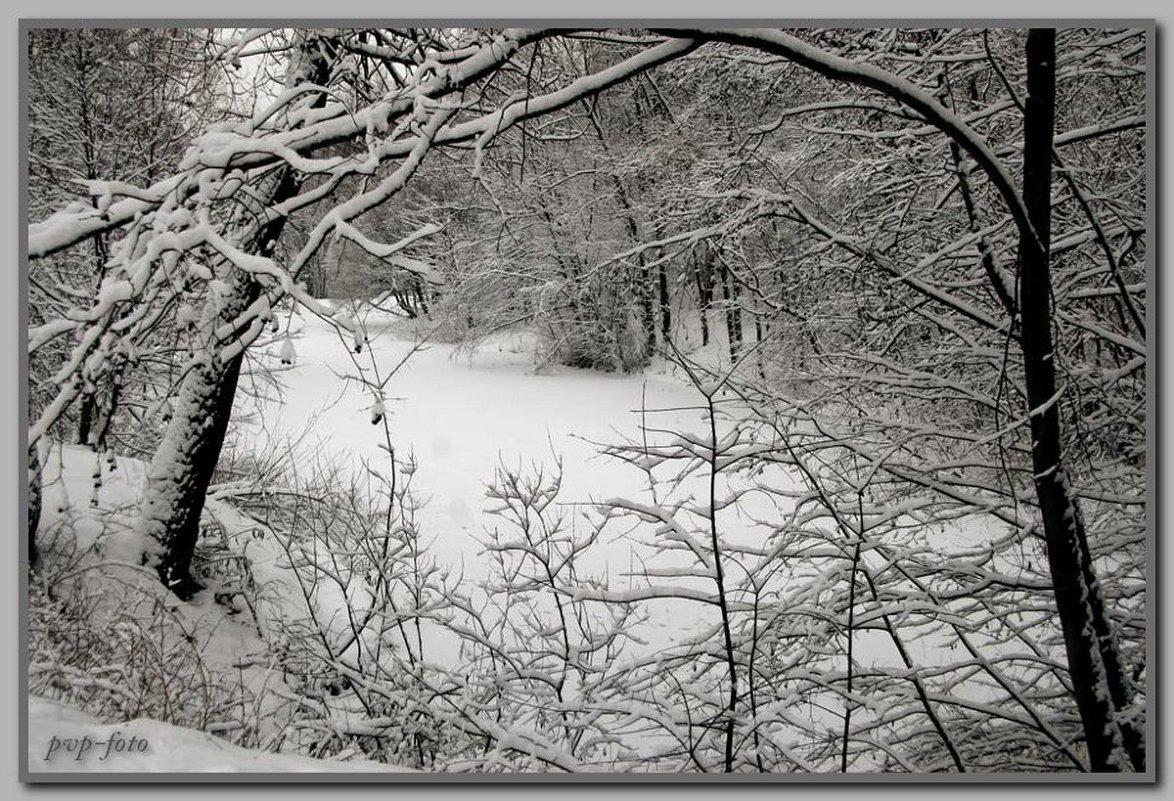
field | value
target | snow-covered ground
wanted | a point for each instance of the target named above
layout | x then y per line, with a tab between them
462	413
62	739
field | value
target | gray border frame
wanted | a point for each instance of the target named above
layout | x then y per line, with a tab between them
1153	325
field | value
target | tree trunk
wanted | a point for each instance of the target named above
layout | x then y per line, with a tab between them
34	506
759	333
703	274
647	306
666	319
85	418
1098	679
733	314
179	473
641	278
422	297
89	402
182	467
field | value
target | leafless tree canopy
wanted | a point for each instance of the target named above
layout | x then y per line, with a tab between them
902	272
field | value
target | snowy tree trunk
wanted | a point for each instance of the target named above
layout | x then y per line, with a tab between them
179	473
89	402
644	289
1098	680
182	467
647	307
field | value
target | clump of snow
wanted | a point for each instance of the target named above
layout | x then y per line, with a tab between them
96	495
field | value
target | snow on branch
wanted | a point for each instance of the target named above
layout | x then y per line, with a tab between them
390	252
873	77
77	222
526	107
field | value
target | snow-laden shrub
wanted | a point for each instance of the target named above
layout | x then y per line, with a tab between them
381	652
543	653
595	323
107	638
600	329
344	592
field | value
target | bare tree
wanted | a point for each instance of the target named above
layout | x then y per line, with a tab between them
931	225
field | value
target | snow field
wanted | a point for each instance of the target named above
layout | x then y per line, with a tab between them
62	739
463	413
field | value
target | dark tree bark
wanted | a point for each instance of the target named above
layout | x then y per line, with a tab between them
1098	679
641	278
180	471
647	306
182	468
34	506
422	297
178	479
666	314
733	313
89	403
703	275
85	418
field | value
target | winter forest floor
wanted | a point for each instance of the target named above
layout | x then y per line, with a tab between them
461	412
466	415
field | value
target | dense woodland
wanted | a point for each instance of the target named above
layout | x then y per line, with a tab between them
902	272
